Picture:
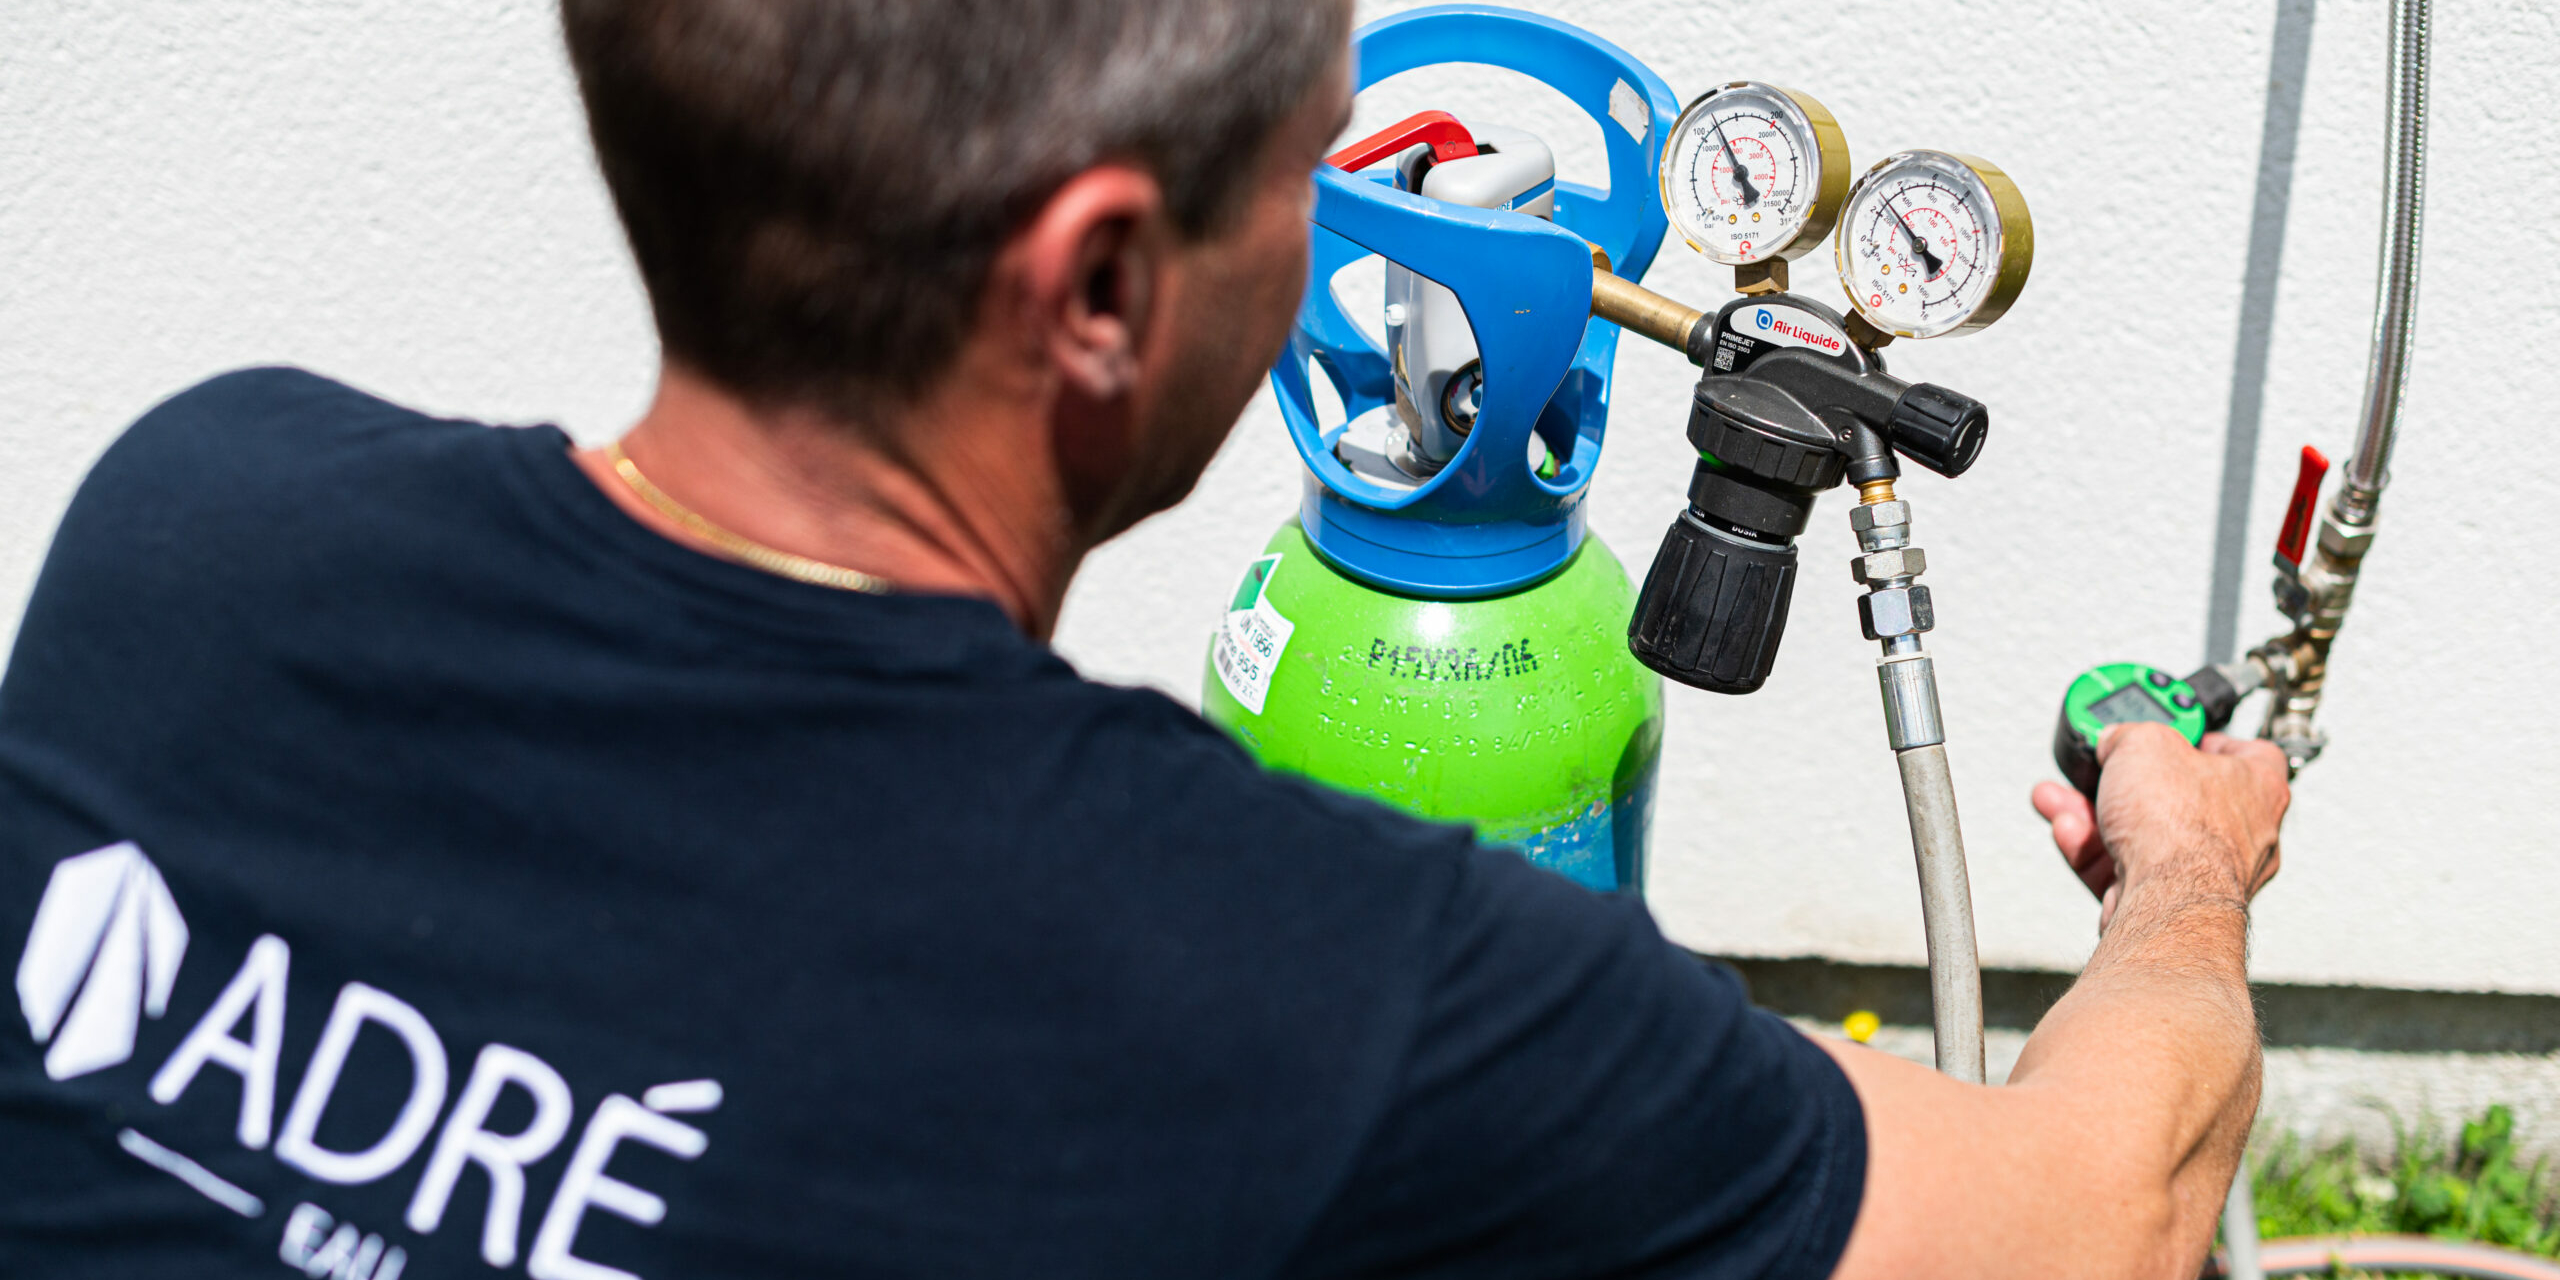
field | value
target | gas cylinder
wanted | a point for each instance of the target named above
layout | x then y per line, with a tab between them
1436	627
1522	713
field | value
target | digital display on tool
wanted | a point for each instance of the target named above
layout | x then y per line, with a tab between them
1754	172
1934	243
2131	693
2128	705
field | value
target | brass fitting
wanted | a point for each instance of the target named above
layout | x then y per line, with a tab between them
1761	279
1639	310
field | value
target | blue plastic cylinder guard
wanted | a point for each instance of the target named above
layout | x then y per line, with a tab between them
1486	523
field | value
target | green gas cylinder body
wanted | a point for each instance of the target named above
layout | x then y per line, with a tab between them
1522	713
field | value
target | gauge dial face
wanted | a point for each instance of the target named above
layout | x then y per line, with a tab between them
1744	177
1933	243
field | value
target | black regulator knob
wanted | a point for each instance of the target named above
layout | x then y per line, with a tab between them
1938	428
1714	606
1755	430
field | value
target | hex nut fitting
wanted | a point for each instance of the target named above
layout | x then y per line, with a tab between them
2345	542
1884	566
1895	611
1878	515
2300	741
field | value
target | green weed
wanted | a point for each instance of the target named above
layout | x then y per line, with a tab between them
2471	1188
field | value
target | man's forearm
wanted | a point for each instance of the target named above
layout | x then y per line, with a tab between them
2106	1154
2168	942
2160	1031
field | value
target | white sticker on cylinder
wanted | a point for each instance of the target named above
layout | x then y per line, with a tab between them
1251	638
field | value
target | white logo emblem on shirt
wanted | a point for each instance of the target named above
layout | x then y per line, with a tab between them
104	951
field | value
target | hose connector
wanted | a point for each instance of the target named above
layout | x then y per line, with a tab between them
1895	612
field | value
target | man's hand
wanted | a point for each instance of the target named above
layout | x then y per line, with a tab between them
2205	819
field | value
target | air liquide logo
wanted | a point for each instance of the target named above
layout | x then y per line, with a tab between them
1789	327
104	951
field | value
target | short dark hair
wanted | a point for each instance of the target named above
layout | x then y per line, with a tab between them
815	189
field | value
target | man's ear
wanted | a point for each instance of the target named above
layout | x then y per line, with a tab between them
1092	263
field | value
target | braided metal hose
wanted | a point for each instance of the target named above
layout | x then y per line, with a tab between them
2318	594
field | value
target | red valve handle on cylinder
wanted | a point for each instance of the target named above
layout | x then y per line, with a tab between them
2297	514
1449	141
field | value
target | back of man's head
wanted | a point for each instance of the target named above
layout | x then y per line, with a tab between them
815	189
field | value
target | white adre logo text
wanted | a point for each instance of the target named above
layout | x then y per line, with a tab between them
105	950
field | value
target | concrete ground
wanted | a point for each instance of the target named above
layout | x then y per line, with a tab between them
2325	1094
2340	1061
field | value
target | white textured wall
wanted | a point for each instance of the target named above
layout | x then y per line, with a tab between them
399	194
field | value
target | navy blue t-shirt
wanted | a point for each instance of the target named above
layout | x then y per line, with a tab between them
424	870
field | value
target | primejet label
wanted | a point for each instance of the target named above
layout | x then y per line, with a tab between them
104	952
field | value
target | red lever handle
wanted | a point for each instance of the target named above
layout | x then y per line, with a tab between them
2306	500
1449	141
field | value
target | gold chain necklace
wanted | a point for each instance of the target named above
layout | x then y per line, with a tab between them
783	563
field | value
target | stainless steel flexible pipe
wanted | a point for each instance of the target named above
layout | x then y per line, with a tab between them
2317	594
2395	309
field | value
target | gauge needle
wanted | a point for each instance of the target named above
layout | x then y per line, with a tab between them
1750	194
1918	245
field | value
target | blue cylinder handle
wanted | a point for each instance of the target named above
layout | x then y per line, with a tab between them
1486	523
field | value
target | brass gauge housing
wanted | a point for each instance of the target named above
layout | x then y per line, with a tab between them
1934	243
1754	173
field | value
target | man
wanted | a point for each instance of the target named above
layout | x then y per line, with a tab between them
439	849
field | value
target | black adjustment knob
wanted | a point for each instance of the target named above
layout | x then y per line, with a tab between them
1758	430
1767	510
1939	429
1713	607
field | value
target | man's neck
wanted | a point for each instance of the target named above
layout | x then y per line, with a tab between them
935	520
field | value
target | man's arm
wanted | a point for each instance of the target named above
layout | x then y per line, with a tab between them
2110	1150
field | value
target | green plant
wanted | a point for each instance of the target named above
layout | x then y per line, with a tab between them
2471	1188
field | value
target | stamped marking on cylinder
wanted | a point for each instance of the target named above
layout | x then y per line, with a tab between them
1458	663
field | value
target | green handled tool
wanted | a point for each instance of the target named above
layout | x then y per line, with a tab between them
2131	693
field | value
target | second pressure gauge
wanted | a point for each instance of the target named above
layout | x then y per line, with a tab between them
1934	243
1754	172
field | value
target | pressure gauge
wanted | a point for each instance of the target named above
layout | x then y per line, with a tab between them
1934	243
1754	172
